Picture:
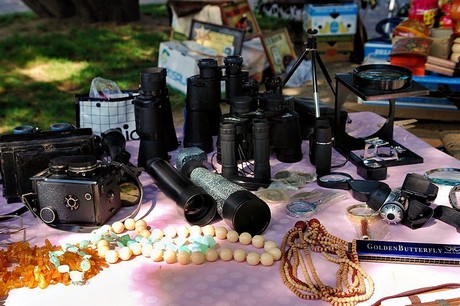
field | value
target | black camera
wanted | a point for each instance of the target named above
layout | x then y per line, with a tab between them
75	190
153	115
408	204
29	151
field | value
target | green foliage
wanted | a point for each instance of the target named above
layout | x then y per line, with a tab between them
45	63
42	70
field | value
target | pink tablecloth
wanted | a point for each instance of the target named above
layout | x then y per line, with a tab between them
141	282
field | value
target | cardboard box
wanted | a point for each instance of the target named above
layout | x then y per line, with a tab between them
180	62
331	19
335	48
377	51
442	43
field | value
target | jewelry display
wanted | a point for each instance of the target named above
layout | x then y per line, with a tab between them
22	265
182	245
353	284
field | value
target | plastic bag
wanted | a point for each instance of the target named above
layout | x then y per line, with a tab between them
105	89
302	74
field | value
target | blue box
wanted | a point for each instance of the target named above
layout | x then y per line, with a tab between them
377	51
331	19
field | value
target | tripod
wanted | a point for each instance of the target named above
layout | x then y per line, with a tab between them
321	140
311	47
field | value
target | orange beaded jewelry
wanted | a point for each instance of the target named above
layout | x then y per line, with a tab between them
24	266
353	284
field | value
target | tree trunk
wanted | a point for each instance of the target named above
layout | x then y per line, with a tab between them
51	8
88	10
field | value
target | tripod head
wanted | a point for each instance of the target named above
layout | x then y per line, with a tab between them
311	43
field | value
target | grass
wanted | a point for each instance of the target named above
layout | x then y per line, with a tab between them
45	63
42	70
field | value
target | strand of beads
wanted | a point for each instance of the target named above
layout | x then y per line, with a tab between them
22	265
353	285
180	244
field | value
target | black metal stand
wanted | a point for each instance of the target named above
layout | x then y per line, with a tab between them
311	47
345	144
321	141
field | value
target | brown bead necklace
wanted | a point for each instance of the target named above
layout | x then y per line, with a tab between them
353	284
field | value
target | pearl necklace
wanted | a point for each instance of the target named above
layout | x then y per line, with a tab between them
353	284
182	244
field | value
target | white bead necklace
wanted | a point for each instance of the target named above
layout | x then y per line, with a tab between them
181	244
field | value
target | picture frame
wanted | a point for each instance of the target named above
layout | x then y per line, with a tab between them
279	49
240	16
223	39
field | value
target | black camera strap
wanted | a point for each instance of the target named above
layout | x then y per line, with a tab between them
16	212
30	201
448	215
417	214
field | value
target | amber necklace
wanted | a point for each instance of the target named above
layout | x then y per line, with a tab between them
353	285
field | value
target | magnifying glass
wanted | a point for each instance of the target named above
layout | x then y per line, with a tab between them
363	216
360	189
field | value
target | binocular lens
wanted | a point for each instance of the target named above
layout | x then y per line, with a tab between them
23	129
61	126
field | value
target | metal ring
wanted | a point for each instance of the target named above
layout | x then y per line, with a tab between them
445	181
452	198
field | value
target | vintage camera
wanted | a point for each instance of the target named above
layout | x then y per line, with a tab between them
408	204
29	150
75	190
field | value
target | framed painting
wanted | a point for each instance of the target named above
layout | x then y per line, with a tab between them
280	50
240	16
223	39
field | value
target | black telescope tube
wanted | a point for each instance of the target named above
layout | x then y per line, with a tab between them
227	135
260	130
193	202
323	147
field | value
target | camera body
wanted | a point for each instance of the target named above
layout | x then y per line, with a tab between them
24	155
76	190
408	204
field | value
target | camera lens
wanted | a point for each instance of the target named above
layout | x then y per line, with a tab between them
23	129
61	126
271	102
241	105
274	85
153	79
233	64
208	68
193	202
77	165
